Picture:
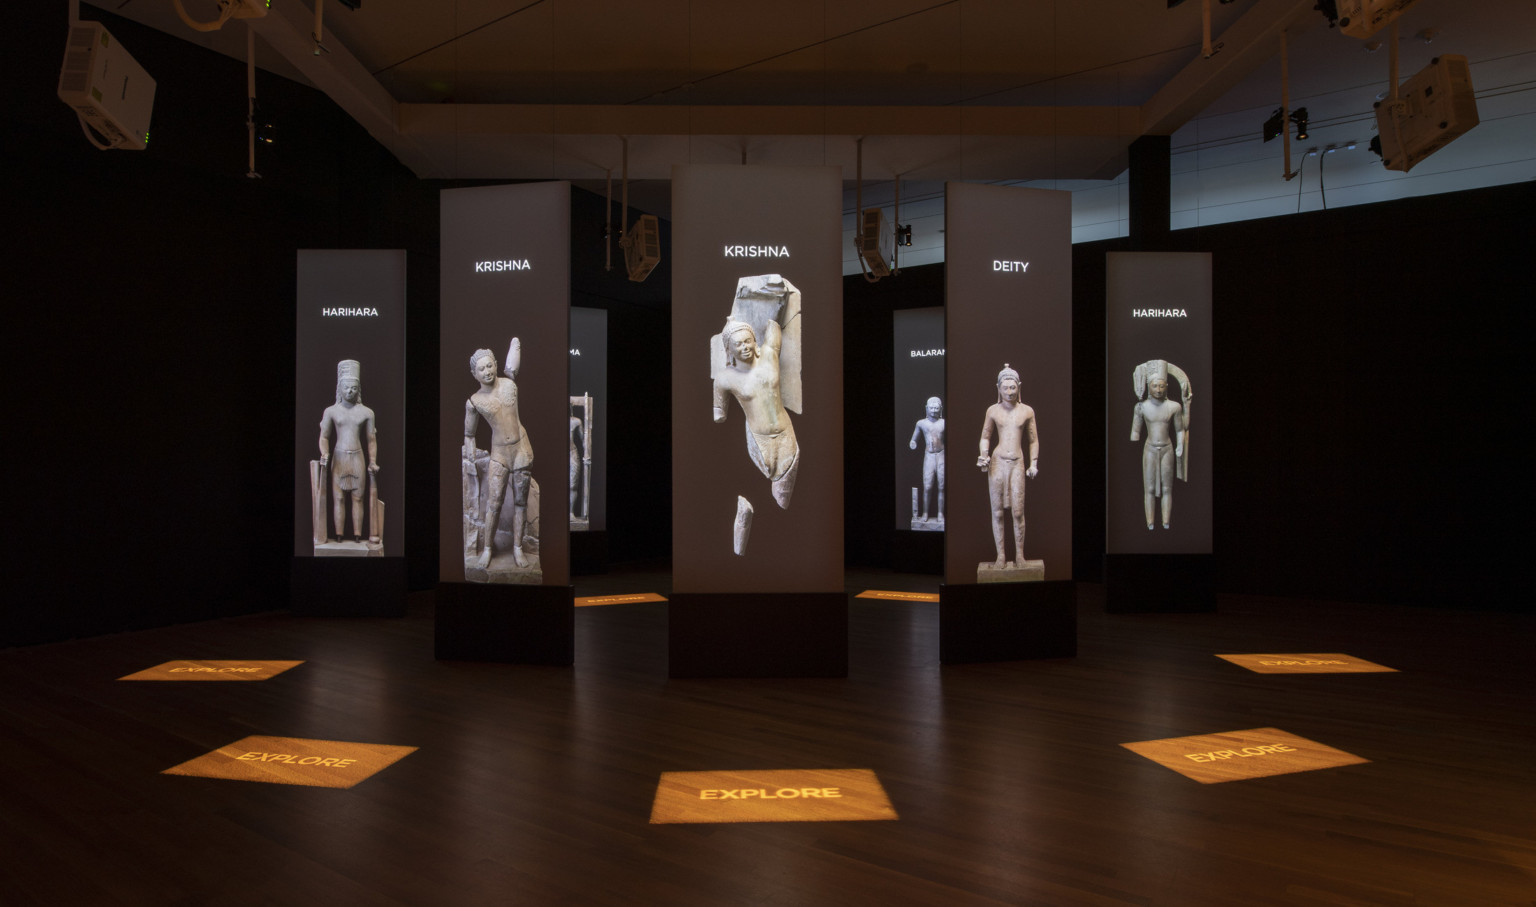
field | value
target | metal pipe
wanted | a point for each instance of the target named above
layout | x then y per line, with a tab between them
1285	104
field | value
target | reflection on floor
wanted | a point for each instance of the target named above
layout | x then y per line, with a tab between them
773	795
217	669
535	784
587	601
1237	755
294	760
1307	663
891	595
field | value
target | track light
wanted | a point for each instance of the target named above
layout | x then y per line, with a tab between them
903	234
1299	117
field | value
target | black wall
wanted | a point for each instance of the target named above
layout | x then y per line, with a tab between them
1365	436
150	325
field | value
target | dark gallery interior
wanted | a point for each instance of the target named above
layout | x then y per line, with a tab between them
166	486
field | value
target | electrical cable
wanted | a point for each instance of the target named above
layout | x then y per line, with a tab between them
227	8
1301	177
1322	184
89	134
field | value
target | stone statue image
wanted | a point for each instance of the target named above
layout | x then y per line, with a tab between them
1013	422
501	500
931	430
581	462
1166	425
352	463
756	358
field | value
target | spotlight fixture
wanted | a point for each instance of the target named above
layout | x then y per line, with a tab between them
266	133
1299	117
903	234
1330	11
1274	124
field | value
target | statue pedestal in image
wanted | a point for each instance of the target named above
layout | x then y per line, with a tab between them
344	471
1029	572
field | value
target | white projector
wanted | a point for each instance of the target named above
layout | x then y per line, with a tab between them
876	243
110	92
1433	107
1363	18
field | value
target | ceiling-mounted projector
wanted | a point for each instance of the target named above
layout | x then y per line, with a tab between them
642	247
1363	18
876	244
1433	108
108	90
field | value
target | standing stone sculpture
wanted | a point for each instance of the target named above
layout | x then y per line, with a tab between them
1012	421
581	463
1166	424
350	472
931	430
501	540
756	358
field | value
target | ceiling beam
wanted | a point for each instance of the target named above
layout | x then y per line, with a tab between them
1245	45
288	29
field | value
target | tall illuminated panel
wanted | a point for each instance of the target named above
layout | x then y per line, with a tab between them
1008	373
757	448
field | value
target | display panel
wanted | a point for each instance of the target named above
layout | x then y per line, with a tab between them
917	391
757	461
505	279
1158	360
349	403
588	420
1008	306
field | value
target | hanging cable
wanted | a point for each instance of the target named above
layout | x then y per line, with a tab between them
227	10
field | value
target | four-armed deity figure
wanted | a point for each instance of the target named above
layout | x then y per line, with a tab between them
353	425
511	454
1012	421
1166	424
931	430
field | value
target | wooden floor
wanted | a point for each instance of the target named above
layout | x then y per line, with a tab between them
534	785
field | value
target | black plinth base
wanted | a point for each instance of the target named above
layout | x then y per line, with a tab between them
1007	621
917	552
347	586
757	634
589	553
506	623
1159	583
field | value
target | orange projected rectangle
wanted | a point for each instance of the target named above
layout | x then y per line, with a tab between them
584	601
294	760
771	795
213	670
1238	755
1307	663
899	596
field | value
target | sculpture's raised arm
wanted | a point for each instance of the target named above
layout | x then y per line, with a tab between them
514	358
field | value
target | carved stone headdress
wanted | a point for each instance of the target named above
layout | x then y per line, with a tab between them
1007	372
349	368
